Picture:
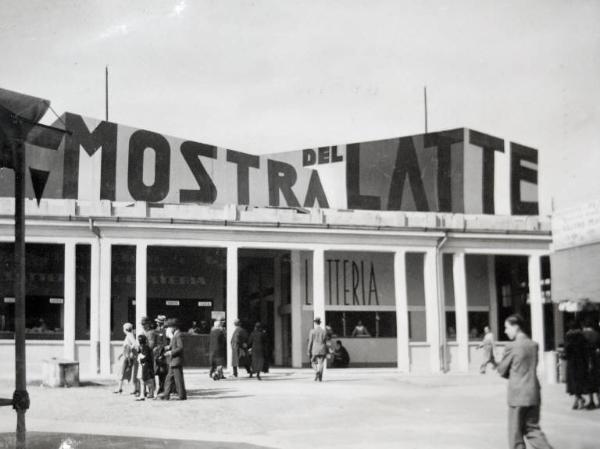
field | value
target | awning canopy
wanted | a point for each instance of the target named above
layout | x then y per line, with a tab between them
576	274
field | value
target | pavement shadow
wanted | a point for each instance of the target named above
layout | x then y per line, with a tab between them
51	440
215	393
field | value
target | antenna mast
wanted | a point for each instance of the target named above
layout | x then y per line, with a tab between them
425	101
106	91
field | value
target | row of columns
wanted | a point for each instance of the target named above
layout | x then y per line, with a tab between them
100	304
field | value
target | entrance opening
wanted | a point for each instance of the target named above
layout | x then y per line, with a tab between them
188	283
264	296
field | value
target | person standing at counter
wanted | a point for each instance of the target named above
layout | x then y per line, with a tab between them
360	330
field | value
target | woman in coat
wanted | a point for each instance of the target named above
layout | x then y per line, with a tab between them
257	342
217	350
577	364
129	364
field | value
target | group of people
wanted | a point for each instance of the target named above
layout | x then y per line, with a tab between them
582	354
153	362
249	351
153	359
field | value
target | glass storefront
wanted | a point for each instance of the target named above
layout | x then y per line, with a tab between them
44	305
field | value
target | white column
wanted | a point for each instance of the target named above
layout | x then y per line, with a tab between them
95	308
296	300
70	279
319	285
277	325
460	304
104	307
537	306
493	296
232	296
432	310
141	283
318	273
402	331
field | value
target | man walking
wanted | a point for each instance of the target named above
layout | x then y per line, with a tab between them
519	366
317	348
488	346
239	348
174	353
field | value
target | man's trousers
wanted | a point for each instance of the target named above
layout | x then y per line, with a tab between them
175	379
524	422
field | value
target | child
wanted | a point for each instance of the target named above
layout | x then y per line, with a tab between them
146	371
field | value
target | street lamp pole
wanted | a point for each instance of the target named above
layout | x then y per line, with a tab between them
20	397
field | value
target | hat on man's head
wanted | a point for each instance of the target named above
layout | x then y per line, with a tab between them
160	319
317	320
173	322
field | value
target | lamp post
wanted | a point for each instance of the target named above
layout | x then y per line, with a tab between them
20	396
19	116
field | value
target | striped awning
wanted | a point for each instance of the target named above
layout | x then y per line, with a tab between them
576	274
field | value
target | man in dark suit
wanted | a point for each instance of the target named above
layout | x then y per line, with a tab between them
239	349
519	366
317	349
174	353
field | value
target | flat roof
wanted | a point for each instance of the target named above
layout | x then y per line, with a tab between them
139	211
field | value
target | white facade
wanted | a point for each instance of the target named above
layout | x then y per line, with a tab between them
306	234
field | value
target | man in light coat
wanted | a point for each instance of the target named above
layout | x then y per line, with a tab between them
488	346
519	366
317	348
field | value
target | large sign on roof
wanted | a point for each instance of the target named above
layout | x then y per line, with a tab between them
459	170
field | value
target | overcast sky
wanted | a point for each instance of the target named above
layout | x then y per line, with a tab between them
267	76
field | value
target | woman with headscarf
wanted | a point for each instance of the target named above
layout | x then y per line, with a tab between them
128	359
577	364
257	342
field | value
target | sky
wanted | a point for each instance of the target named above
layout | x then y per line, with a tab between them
270	76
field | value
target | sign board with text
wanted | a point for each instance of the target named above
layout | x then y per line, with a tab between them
459	170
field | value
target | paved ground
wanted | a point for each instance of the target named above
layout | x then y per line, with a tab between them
350	409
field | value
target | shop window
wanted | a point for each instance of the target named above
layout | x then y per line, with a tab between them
187	283
82	292
450	325
477	322
122	307
44	307
362	324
